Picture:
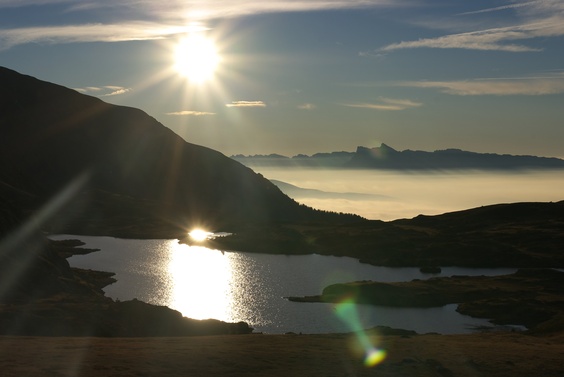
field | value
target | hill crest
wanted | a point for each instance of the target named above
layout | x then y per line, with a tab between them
117	171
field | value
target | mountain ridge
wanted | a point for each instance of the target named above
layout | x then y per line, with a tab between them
386	157
55	140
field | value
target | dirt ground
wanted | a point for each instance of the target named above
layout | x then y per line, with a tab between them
491	354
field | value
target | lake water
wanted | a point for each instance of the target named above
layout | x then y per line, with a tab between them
237	286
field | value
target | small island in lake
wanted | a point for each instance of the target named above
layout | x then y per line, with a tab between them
529	297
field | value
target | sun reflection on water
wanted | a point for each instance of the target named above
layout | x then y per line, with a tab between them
204	283
201	282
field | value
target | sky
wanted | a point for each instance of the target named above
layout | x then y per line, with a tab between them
308	76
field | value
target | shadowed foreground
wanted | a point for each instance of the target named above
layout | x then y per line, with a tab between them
492	354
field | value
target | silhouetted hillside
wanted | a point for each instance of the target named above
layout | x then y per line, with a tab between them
109	169
502	235
386	157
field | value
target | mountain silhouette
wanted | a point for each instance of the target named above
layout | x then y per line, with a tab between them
386	157
98	168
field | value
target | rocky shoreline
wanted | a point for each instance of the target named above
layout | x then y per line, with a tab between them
53	299
529	297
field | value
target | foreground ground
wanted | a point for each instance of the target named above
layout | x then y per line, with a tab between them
491	354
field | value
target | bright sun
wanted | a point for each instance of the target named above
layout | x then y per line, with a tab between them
196	58
199	235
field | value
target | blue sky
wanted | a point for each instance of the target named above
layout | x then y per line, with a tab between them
313	76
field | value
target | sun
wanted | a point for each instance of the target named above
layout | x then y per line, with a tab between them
199	235
196	58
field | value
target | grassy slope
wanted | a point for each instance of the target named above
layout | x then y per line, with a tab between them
495	354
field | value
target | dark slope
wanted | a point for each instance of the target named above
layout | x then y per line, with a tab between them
125	173
504	235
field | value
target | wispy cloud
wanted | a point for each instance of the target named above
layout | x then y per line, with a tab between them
503	7
190	113
162	20
534	19
246	104
89	33
117	92
386	104
104	91
488	40
306	106
532	86
210	8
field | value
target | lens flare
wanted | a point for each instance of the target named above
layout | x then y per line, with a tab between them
374	357
347	312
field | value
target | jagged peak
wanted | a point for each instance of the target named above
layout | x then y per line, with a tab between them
387	148
383	148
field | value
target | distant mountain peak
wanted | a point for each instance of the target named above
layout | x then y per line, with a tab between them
386	157
386	147
382	152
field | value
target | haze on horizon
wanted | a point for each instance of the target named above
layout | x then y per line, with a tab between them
307	76
391	194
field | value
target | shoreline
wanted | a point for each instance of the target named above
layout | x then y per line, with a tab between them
432	292
528	297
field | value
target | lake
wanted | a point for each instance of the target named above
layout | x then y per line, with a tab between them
237	286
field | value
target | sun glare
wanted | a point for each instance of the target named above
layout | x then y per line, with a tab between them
201	282
199	235
196	58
